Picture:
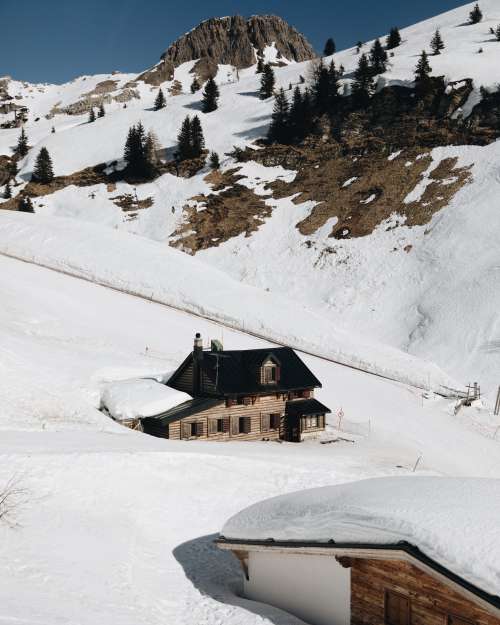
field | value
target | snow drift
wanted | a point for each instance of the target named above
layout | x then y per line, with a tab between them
454	521
148	269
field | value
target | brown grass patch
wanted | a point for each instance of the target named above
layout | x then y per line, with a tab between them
233	210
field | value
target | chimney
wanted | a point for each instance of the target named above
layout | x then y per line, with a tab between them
197	360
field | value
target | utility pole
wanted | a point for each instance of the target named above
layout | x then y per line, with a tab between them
497	405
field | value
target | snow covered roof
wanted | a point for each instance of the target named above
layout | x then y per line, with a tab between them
454	521
131	399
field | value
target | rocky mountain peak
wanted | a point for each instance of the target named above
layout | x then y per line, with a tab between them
233	41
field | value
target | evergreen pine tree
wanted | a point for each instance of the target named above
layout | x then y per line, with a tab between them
151	147
321	88
26	205
330	47
359	45
13	169
362	87
393	39
210	96
279	131
22	144
160	101
267	82
43	171
422	74
476	15
197	140
53	130
497	33
423	69
195	85
333	84
306	124
91	115
295	116
184	140
378	58
101	111
437	43
214	160
260	65
136	155
7	193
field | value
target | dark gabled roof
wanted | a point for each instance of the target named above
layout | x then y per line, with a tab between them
236	372
306	407
186	409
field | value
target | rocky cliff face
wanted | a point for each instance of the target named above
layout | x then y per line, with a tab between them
232	41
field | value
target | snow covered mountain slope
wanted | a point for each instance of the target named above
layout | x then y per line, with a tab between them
161	274
430	289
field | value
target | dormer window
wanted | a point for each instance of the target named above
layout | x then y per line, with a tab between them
269	372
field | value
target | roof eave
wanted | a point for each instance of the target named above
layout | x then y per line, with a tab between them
365	550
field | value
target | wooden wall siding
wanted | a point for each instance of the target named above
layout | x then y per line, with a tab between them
431	602
257	413
185	380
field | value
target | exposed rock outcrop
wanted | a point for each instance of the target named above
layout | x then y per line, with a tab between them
233	41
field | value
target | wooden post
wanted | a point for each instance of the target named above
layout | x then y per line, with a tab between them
497	405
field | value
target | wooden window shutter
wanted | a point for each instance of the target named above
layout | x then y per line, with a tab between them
235	426
199	428
212	426
185	430
247	425
227	422
397	609
456	620
265	422
321	421
278	373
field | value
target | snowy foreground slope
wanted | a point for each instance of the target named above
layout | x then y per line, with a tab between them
118	526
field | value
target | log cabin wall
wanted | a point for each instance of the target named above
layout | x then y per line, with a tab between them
257	413
397	593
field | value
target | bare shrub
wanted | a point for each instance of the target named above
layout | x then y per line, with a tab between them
12	497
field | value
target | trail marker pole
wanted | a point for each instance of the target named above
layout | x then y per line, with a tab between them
497	405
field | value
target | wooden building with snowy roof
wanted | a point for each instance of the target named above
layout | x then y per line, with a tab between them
256	394
387	551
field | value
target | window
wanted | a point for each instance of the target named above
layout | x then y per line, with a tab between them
311	423
216	426
456	620
274	421
269	372
397	609
245	426
197	428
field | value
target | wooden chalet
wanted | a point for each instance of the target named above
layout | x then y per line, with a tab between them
360	584
256	394
387	551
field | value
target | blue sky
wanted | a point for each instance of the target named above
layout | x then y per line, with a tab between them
56	40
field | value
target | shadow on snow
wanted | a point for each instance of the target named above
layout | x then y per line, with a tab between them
217	574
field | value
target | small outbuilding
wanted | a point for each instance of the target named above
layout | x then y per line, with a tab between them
388	551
